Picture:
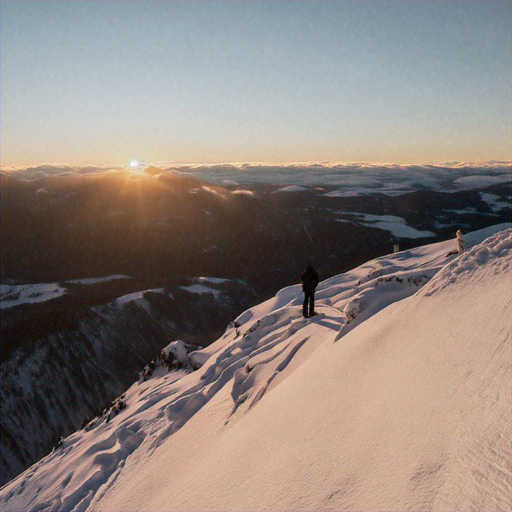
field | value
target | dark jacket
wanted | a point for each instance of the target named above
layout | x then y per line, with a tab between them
309	279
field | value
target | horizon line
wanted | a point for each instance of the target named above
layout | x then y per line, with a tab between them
237	164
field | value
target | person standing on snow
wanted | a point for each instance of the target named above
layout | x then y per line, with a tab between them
460	242
309	280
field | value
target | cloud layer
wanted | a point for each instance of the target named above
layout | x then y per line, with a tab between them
391	179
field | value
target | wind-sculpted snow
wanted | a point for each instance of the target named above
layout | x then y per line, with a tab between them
380	292
377	403
94	464
250	361
492	253
61	379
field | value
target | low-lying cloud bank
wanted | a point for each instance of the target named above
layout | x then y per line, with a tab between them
450	175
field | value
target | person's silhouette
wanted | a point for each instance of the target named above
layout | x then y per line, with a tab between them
309	280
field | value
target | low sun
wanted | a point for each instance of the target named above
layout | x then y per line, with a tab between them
136	166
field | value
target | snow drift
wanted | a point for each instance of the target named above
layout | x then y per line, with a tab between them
395	397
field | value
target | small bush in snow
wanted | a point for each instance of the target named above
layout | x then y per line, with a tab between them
172	357
352	309
111	410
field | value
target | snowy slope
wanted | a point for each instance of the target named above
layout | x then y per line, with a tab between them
67	372
395	397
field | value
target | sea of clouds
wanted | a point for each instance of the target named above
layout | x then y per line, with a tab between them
395	178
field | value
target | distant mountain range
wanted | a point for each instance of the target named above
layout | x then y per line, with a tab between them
158	224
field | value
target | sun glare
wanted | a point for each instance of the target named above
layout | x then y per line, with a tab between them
136	166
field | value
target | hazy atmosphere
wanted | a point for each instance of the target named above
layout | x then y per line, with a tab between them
256	255
105	82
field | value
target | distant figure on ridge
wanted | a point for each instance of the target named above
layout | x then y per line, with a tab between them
309	280
460	242
396	246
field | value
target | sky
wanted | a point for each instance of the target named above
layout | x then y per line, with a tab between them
201	81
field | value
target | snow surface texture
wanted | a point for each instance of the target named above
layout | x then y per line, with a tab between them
395	397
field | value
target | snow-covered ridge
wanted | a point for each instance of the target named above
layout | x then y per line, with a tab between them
95	280
18	294
395	396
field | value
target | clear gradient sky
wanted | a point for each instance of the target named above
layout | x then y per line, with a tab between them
104	82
